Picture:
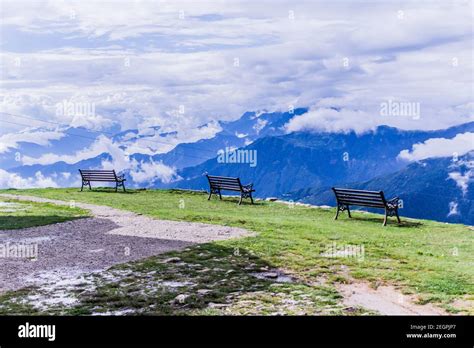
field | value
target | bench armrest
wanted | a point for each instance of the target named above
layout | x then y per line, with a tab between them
392	203
248	187
121	177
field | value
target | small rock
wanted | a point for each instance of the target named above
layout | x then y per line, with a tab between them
172	260
204	270
217	305
271	199
204	291
181	298
270	275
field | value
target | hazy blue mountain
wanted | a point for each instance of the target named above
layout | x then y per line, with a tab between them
300	160
234	134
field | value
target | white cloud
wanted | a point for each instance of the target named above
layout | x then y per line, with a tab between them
101	145
151	171
330	120
11	140
425	52
453	209
12	180
462	180
440	147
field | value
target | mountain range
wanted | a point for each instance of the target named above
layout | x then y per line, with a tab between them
301	166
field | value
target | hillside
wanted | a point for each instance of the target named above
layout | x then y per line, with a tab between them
432	260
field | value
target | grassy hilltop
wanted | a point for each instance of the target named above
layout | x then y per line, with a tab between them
433	260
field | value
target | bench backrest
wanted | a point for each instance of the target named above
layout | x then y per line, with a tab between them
224	183
374	199
98	175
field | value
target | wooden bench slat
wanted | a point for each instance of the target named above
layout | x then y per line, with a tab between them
355	191
225	181
369	199
364	204
228	188
365	199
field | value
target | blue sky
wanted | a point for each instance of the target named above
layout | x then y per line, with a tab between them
181	64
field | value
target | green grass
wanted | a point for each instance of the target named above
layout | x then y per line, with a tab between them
433	260
16	214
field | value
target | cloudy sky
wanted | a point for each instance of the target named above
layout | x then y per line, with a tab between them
181	64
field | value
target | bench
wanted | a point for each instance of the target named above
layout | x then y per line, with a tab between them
89	175
372	199
219	183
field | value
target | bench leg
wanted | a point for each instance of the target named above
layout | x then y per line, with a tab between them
339	208
385	218
215	192
123	186
90	188
394	212
241	197
342	207
251	198
220	196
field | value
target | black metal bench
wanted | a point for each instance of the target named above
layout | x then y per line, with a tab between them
220	183
372	199
89	175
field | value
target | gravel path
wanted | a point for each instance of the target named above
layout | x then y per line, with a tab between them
86	245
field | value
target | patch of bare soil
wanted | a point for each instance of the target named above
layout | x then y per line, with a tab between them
386	300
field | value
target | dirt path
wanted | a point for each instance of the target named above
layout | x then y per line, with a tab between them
386	300
86	245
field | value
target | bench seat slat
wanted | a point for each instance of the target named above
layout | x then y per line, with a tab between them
354	191
230	188
364	204
225	183
357	194
368	199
